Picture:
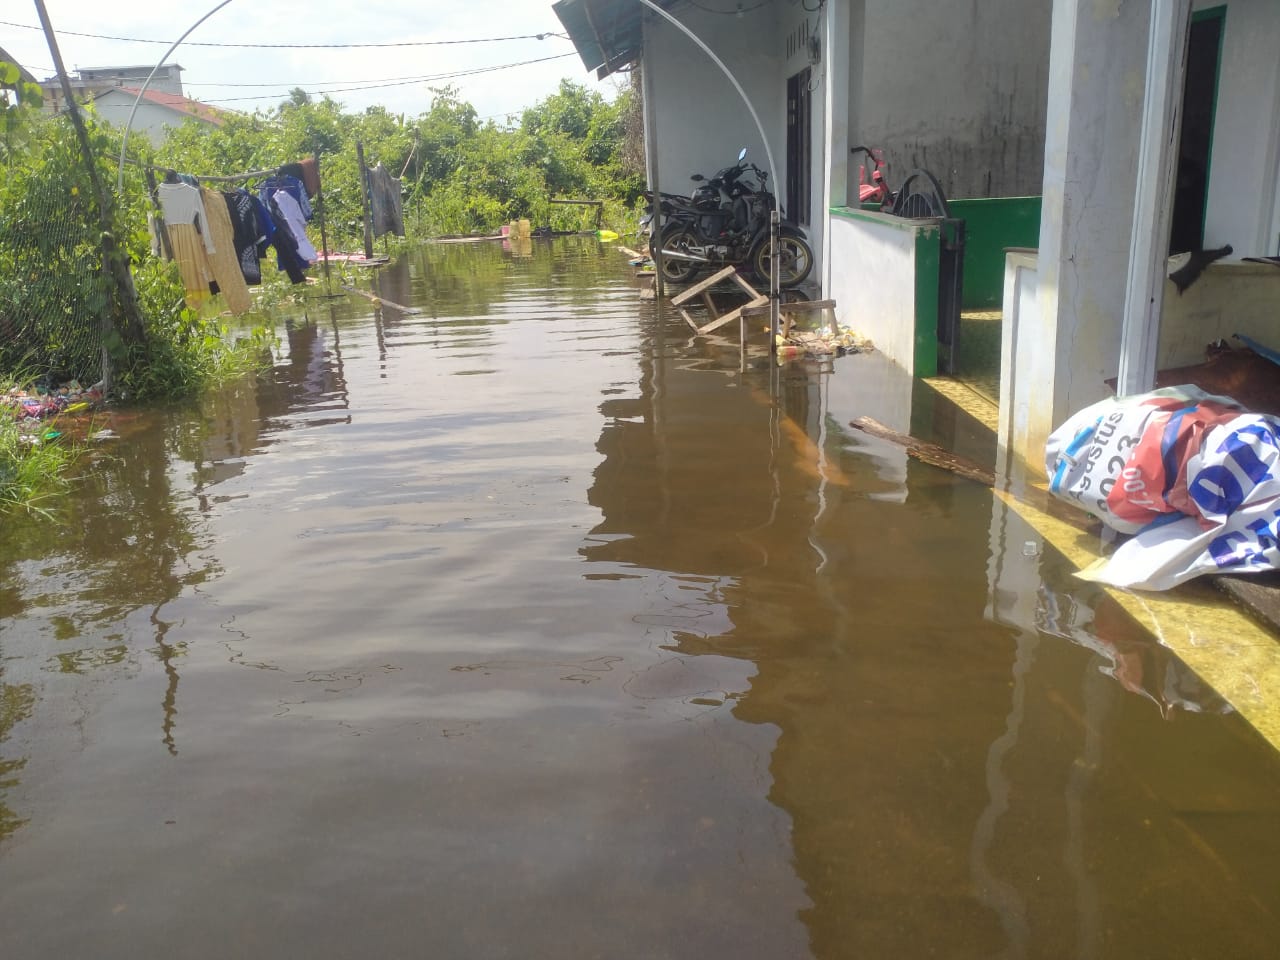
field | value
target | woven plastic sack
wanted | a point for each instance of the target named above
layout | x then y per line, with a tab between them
1195	479
1122	459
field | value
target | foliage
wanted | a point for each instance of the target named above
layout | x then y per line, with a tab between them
459	174
185	351
17	99
54	292
52	288
32	471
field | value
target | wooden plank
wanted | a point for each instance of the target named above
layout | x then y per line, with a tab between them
732	315
688	319
929	453
684	296
747	288
798	306
379	302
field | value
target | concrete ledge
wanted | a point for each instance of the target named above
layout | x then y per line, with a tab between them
885	219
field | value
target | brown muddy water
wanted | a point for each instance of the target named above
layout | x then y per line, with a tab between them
528	627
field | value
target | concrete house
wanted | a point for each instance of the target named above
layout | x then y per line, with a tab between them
88	82
956	89
157	111
1053	129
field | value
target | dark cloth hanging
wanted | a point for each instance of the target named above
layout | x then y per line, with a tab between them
265	223
246	232
384	202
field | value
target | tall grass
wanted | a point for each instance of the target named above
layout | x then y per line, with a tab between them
33	471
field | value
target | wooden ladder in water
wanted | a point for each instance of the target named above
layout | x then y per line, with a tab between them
703	289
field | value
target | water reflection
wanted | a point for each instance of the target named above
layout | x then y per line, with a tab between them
17	700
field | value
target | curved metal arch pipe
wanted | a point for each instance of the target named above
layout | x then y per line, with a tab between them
124	143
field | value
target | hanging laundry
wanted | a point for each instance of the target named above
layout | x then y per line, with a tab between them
187	223
265	223
293	216
287	258
246	234
384	202
223	261
290	185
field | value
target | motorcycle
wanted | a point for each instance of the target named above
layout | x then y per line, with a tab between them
725	221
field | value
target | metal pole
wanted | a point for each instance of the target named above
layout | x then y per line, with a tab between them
115	262
364	201
651	145
124	142
773	170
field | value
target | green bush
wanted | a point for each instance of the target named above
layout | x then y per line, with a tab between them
32	469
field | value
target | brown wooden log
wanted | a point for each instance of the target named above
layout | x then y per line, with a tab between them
929	453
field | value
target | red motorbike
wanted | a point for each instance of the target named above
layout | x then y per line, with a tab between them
873	183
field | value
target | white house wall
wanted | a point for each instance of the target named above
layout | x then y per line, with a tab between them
151	119
701	120
873	281
1243	164
957	88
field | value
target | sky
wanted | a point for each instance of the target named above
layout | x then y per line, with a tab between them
248	79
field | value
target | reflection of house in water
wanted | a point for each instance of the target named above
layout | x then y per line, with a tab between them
937	805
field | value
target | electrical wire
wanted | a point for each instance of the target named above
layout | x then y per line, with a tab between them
400	83
299	46
731	13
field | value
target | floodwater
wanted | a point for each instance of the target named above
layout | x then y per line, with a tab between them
525	626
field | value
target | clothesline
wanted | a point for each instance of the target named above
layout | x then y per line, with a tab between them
252	174
232	179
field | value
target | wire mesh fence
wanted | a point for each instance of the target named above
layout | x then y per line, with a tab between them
52	285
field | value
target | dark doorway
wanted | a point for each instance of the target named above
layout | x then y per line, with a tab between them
1199	99
799	146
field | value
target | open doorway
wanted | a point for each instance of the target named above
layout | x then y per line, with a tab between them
799	146
1195	145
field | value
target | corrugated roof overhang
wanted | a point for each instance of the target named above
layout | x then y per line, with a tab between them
606	33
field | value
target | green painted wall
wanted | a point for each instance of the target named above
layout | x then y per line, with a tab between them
991	225
928	253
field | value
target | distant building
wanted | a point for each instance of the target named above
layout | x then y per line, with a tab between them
157	111
87	83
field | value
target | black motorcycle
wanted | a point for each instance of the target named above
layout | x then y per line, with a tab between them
726	221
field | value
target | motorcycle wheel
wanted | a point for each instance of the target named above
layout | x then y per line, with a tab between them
795	260
673	270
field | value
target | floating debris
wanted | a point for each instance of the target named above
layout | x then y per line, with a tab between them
41	404
823	342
